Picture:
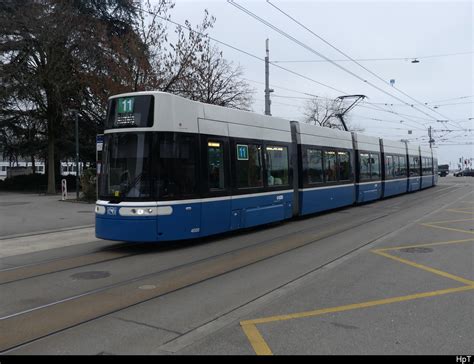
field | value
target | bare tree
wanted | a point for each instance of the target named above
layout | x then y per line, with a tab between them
189	66
323	112
217	81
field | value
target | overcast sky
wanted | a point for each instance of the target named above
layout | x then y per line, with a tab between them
363	30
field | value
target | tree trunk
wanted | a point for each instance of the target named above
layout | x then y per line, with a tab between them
33	164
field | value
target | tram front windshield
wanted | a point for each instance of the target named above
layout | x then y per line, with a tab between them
127	167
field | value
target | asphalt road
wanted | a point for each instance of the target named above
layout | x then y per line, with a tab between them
390	277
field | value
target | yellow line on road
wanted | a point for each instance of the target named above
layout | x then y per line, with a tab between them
460	211
424	267
354	306
424	244
447	228
256	340
448	221
261	347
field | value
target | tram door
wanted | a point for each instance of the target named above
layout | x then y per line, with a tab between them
215	177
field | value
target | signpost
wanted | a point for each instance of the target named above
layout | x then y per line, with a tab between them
63	189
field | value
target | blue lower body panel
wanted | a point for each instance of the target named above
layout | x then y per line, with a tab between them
426	181
215	217
188	219
414	184
132	229
369	191
258	210
394	187
322	199
183	223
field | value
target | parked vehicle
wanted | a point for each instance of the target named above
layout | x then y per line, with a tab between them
464	173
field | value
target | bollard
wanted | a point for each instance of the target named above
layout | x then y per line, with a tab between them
63	189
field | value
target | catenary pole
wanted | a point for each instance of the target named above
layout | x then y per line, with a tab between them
267	80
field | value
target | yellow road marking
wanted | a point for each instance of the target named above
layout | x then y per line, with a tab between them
460	211
354	306
425	244
448	221
261	347
424	267
256	340
447	228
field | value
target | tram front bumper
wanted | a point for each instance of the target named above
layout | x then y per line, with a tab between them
131	223
130	229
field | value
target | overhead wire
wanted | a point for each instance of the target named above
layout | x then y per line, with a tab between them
251	55
356	62
373	59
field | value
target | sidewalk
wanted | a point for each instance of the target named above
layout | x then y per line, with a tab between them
24	213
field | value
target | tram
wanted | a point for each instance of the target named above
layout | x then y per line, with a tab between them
176	169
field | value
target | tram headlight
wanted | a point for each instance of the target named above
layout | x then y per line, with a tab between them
138	211
100	210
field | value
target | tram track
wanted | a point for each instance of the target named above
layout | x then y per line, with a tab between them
15	274
37	322
56	316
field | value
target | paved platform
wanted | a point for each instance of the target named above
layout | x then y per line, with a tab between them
28	213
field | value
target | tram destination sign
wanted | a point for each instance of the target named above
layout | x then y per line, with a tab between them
125	116
125	105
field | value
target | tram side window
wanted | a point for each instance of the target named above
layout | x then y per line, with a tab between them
390	166
177	169
396	166
277	165
369	166
375	168
330	165
403	165
313	164
344	166
364	166
414	166
215	160
426	166
249	166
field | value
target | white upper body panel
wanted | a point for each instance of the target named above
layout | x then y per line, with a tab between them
413	149
325	137
177	114
366	143
395	147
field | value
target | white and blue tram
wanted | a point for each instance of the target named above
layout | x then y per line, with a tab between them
177	169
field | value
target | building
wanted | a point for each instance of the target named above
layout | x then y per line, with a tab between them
11	169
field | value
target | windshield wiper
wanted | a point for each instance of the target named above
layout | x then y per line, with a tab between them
128	187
